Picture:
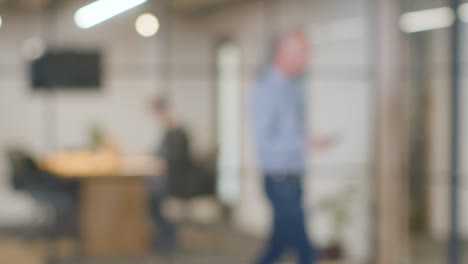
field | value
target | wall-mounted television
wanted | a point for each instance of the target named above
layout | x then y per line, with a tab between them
67	70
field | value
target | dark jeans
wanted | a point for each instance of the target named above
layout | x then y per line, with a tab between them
289	229
166	233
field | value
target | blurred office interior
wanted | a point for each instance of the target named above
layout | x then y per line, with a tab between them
380	82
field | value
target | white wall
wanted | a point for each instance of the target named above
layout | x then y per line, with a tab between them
195	40
340	102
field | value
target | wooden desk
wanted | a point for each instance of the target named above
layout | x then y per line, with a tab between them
113	216
113	205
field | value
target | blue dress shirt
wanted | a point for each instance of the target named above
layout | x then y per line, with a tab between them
278	124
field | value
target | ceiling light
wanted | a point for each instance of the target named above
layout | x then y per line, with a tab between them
147	25
102	10
427	20
33	48
463	12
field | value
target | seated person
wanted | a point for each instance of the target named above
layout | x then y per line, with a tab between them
175	150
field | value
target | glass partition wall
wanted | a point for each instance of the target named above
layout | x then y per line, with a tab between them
427	74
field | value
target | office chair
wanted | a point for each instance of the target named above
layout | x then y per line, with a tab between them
47	189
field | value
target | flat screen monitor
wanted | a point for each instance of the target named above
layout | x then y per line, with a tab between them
67	70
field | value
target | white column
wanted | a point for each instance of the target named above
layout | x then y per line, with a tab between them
392	225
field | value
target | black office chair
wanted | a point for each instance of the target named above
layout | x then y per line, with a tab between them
47	189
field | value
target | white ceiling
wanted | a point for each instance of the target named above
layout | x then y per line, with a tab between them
195	4
178	5
25	4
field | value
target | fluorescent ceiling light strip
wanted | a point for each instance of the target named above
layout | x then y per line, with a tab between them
463	12
427	20
102	10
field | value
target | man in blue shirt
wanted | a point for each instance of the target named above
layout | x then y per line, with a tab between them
279	132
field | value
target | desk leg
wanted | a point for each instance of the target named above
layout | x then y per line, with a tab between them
114	218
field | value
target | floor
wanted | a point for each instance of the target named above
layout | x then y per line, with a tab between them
427	251
198	245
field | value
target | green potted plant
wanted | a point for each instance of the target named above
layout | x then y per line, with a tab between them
338	207
96	136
